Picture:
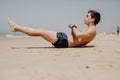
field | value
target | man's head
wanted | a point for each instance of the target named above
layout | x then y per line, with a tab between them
92	17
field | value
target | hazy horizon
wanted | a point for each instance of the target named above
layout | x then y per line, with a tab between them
56	15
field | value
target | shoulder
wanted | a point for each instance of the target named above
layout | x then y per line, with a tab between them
91	30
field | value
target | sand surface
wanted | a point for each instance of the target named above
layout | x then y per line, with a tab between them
35	59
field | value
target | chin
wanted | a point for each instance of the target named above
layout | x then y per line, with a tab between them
84	22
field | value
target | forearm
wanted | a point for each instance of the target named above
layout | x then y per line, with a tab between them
75	32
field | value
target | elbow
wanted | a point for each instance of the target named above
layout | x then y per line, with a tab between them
77	35
78	38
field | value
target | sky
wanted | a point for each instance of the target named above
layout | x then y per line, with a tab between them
57	14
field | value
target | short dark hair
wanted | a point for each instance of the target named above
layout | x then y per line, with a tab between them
96	15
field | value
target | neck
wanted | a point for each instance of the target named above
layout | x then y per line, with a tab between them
91	25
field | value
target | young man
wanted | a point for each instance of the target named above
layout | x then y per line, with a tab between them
61	40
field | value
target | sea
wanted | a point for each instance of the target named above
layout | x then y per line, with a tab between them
12	35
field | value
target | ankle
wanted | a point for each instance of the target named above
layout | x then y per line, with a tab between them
15	28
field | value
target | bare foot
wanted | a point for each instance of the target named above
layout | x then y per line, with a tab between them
12	24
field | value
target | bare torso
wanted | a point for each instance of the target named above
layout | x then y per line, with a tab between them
74	42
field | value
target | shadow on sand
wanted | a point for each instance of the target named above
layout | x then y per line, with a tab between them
87	46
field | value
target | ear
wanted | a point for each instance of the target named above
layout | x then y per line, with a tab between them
92	19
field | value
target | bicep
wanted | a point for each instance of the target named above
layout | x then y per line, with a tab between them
83	34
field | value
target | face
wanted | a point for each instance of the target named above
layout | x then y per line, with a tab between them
88	19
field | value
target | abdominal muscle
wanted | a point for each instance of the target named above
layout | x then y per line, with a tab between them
73	42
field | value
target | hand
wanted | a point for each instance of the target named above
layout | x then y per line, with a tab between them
71	26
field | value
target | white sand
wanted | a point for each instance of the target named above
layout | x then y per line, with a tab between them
36	59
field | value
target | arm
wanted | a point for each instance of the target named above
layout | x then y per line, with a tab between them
79	34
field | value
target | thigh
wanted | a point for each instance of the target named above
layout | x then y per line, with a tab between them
48	35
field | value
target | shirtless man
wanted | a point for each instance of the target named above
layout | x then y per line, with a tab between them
77	37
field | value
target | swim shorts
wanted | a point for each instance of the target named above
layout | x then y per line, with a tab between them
62	41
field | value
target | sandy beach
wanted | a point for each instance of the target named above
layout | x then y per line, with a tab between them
36	59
